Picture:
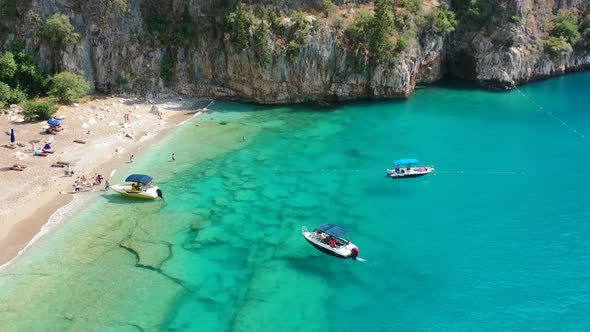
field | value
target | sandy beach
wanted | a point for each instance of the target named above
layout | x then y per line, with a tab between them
29	197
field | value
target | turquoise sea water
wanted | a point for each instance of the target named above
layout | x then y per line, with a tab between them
497	240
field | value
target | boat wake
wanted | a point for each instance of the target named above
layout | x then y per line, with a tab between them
361	259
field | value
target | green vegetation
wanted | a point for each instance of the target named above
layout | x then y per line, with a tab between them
585	29
39	111
381	29
8	66
413	6
4	94
565	34
329	8
293	49
121	5
402	43
565	25
374	32
238	23
29	76
511	40
121	81
9	8
59	32
443	19
557	47
68	88
20	77
261	41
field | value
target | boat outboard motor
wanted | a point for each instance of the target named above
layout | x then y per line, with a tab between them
354	253
160	194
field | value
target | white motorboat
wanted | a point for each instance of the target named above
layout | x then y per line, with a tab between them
331	240
138	186
406	168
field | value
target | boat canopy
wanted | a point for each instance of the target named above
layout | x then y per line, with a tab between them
143	179
333	230
406	162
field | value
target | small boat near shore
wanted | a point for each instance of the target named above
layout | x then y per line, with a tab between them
331	240
138	186
407	168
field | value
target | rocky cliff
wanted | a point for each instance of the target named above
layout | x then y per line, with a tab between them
302	51
506	47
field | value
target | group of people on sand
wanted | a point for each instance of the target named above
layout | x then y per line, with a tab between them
90	182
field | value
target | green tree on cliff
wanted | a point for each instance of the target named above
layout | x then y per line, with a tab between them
381	29
261	41
565	24
59	33
238	25
8	66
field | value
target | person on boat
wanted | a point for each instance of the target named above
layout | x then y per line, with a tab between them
332	242
396	168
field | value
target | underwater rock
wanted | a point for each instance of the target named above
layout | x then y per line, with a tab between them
150	255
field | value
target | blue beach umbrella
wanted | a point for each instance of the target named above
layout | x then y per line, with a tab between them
53	122
12	136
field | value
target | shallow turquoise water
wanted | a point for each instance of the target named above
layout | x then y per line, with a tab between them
497	240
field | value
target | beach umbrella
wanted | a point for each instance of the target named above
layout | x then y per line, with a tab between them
12	136
53	122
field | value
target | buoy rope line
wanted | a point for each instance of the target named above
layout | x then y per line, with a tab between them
552	116
367	170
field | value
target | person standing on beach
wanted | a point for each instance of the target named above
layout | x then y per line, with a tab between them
131	158
173	156
107	184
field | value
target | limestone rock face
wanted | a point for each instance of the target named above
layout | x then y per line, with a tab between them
482	54
134	51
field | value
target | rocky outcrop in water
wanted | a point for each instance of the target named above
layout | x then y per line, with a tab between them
183	47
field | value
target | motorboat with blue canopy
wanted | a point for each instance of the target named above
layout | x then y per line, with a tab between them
408	168
138	186
331	240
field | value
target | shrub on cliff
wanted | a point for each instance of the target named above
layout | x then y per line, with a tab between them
565	25
413	6
381	29
59	32
29	76
68	87
443	19
237	24
39	111
293	49
557	47
261	41
8	66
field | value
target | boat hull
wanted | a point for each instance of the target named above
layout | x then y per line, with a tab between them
125	190
326	251
343	252
414	173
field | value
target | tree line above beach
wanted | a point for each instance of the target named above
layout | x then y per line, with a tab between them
22	81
